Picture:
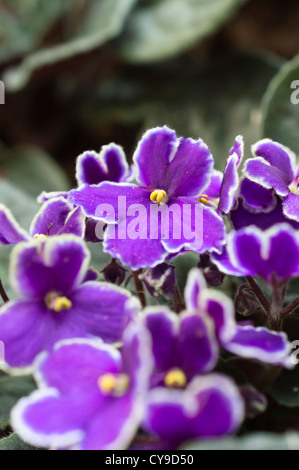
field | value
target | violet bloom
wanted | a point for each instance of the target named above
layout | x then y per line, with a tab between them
272	254
91	396
171	173
56	302
182	403
55	217
222	190
274	167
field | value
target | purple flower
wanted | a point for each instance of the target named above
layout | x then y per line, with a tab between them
182	404
91	396
171	173
274	167
55	217
272	254
56	302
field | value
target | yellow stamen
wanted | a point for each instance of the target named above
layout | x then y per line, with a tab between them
113	384
39	235
203	199
159	196
175	378
57	303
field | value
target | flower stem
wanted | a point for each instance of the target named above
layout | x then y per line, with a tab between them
290	308
3	293
259	294
139	287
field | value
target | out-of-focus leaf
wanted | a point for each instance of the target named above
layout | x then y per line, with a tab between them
24	22
33	171
162	29
22	205
11	390
285	389
100	22
13	442
281	107
183	264
216	103
256	441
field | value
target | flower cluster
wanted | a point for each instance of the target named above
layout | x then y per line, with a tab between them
118	366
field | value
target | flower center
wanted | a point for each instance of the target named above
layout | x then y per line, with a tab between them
203	199
39	235
56	303
159	196
114	384
175	378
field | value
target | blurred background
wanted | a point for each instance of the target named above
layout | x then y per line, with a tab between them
82	73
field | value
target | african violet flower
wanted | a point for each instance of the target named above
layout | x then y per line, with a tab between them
56	302
272	254
274	168
171	173
55	217
91	396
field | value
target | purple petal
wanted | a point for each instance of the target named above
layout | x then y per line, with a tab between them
46	420
114	426
163	326
103	310
220	309
226	264
25	328
109	165
46	196
230	180
197	345
10	231
210	407
57	216
161	162
213	189
261	344
194	226
256	198
278	156
291	207
55	265
160	280
194	287
260	171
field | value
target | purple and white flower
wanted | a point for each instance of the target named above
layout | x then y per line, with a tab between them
171	172
57	302
91	396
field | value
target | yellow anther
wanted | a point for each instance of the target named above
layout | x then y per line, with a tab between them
159	196
203	200
113	384
39	235
175	378
56	303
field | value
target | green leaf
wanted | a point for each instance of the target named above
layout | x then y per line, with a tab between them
256	441
13	442
17	36
22	205
285	389
11	390
33	171
183	264
162	29
100	21
280	115
5	252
